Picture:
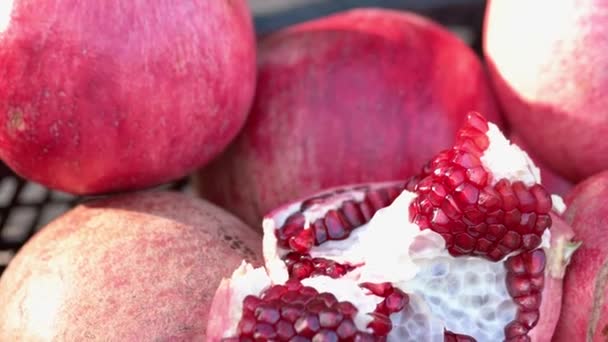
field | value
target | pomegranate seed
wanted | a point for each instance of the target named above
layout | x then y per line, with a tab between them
353	214
477	121
396	301
346	329
467	194
337	227
518	285
367	211
511	240
264	332
527	202
267	314
292	227
325	336
543	199
250	303
246	326
302	242
529	302
535	261
379	289
528	318
291	312
378	199
381	324
466	160
285	330
301	269
515	329
347	309
320	231
330	319
307	325
274	292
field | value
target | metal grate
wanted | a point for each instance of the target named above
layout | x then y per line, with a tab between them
25	207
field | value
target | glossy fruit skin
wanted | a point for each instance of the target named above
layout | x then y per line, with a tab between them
549	76
99	97
140	267
585	311
360	96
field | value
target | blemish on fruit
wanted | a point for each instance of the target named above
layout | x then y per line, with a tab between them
15	123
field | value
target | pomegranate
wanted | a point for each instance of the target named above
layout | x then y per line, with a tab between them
141	267
461	252
100	96
552	181
547	61
360	89
585	314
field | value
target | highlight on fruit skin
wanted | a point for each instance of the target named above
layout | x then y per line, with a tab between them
471	249
136	267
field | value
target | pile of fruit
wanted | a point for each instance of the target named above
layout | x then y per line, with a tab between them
361	177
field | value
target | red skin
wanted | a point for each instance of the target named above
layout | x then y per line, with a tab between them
548	61
585	290
553	182
365	95
142	267
100	96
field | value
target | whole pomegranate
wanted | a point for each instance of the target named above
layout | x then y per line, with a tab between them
548	62
364	95
141	267
99	96
468	250
585	314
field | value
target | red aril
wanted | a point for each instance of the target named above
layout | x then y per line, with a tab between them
99	96
385	275
585	313
140	267
548	61
365	95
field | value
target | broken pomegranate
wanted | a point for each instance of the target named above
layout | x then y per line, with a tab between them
468	250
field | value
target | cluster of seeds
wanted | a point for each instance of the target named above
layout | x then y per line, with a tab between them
457	200
297	313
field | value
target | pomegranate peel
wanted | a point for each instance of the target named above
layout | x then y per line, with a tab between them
402	279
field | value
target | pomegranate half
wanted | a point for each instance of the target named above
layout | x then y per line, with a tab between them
364	95
103	96
141	267
471	249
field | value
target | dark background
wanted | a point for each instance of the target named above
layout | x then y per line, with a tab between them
26	206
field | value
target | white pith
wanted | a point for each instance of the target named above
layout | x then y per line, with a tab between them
507	160
465	295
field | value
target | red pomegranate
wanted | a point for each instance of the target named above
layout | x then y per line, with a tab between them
462	252
141	267
364	95
548	62
585	314
100	96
